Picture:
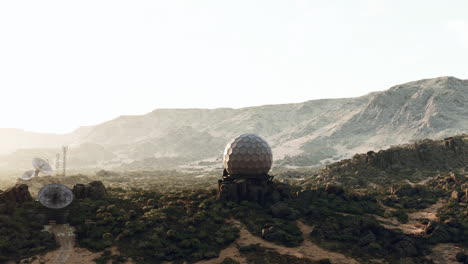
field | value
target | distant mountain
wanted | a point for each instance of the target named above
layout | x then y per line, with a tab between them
12	139
302	134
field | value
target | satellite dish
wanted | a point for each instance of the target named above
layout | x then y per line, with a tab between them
55	196
39	165
42	165
28	175
247	154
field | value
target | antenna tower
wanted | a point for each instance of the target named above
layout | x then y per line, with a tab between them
57	163
65	150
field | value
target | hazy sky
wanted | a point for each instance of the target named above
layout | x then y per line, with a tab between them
69	63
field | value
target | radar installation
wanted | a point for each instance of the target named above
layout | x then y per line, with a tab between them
247	159
54	197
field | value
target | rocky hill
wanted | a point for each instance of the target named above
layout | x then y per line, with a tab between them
302	134
411	163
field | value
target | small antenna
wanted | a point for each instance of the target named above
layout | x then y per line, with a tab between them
65	150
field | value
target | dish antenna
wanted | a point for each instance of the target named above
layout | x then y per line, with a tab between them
42	166
39	165
27	175
55	196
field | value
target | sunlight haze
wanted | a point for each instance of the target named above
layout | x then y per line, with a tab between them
65	64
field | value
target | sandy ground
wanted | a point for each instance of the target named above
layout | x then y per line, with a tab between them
67	253
445	253
306	250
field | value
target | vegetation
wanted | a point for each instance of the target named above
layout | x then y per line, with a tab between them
21	234
259	255
169	215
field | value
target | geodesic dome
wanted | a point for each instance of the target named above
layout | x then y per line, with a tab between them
247	154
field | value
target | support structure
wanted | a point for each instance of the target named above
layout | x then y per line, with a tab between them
254	188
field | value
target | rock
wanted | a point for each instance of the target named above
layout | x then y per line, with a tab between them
367	239
106	173
431	227
266	231
17	194
94	190
464	197
461	257
406	248
456	196
334	188
405	191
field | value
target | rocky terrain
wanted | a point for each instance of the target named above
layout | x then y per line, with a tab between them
411	163
414	211
303	134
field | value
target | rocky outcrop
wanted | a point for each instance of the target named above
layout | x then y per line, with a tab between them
377	169
94	190
17	194
451	152
451	182
334	188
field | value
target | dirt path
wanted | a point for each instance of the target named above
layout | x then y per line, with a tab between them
429	213
67	253
306	250
413	226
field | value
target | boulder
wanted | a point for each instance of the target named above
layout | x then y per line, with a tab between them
17	194
367	239
456	196
94	190
281	210
461	257
431	227
406	248
334	188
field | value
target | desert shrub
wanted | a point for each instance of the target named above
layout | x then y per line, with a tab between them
316	205
229	261
409	197
401	216
363	236
259	255
260	221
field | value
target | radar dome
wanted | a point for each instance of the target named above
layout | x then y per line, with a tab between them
247	154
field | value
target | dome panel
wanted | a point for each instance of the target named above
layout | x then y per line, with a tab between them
247	154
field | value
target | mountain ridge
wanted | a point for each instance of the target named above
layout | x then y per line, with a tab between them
301	134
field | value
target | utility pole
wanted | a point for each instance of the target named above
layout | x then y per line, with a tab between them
65	150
